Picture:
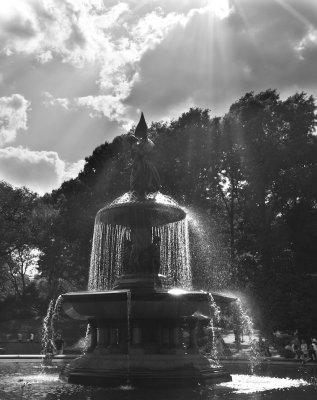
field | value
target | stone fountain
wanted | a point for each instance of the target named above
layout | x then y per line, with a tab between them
140	331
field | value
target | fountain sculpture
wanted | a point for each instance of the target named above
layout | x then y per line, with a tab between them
139	331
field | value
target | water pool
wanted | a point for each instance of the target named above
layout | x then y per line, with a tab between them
28	381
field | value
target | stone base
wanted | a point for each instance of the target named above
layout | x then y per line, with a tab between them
140	370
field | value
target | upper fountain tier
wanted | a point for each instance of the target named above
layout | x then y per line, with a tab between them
152	209
144	205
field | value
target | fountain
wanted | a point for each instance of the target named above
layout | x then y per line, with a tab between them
143	328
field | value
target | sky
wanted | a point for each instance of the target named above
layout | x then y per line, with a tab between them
77	73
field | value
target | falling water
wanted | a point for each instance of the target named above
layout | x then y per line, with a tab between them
174	253
56	312
47	333
106	256
86	340
212	352
108	251
48	329
245	323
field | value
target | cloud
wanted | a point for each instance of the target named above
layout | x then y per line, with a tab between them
166	54
83	33
210	62
41	171
13	117
98	106
50	100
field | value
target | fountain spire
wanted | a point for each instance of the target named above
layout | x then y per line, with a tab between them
141	129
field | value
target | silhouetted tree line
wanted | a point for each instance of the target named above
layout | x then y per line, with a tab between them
249	181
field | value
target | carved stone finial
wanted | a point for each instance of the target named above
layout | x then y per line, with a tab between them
141	129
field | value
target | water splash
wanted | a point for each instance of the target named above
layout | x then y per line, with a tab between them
243	323
86	341
56	312
210	349
47	334
211	254
246	384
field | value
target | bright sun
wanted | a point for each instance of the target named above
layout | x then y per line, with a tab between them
220	8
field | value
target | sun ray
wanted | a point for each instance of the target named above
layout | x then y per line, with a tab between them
292	10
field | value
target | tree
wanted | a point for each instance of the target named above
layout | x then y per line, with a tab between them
23	219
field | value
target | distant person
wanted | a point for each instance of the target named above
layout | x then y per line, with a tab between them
289	351
312	353
296	348
304	350
59	344
237	339
20	337
314	344
31	338
264	348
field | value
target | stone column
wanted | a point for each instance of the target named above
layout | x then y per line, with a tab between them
102	336
175	336
193	347
166	336
114	345
175	340
136	344
136	336
113	336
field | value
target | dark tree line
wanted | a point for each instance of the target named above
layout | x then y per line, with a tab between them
249	178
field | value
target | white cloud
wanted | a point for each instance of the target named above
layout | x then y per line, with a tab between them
41	171
81	32
50	100
13	117
71	170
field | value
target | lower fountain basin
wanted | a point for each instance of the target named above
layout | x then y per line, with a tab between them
143	335
155	303
144	302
